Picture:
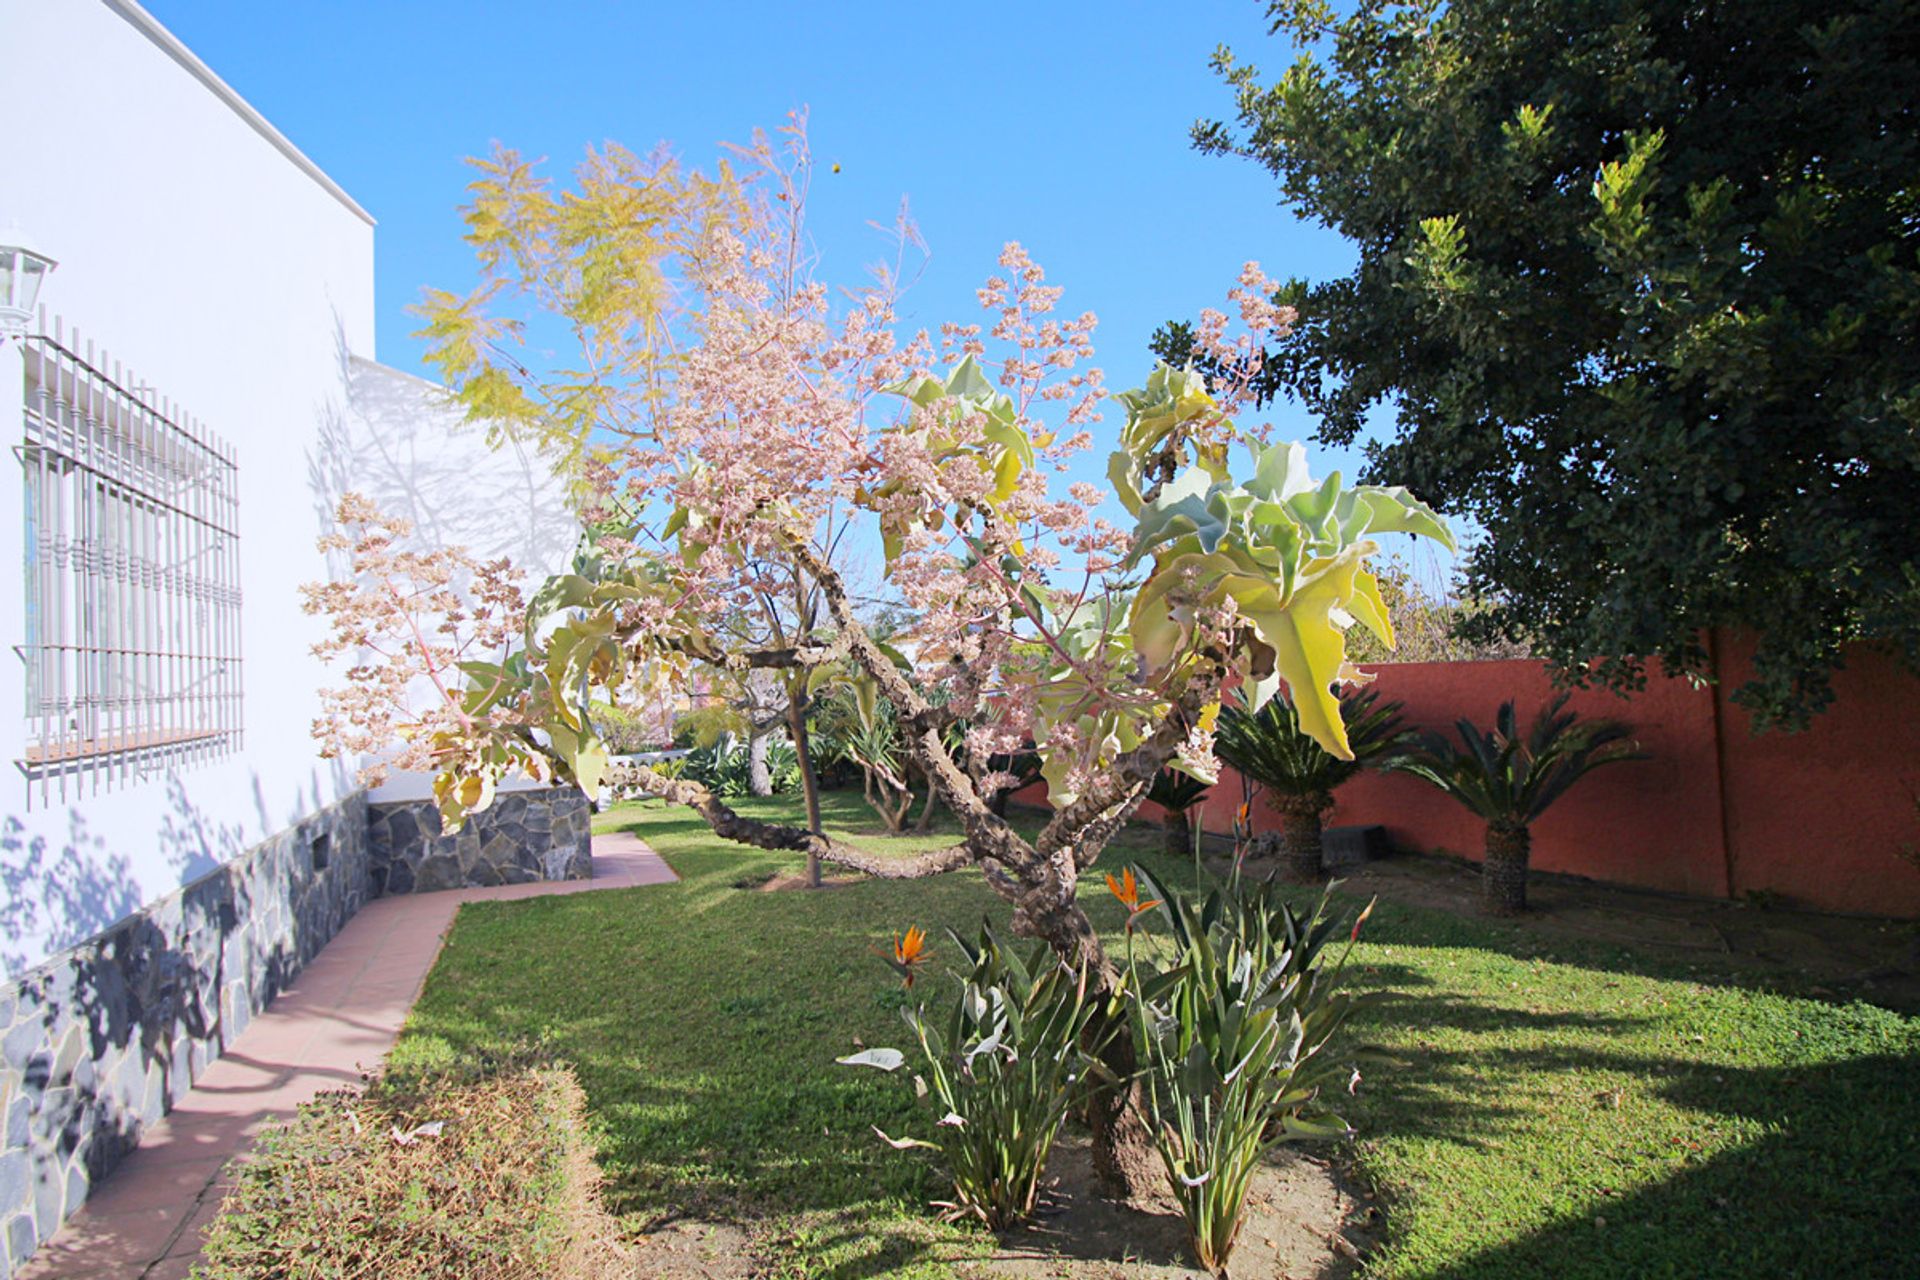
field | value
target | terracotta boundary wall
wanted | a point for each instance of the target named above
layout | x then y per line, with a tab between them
1818	818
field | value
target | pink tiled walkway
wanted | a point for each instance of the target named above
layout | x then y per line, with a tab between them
146	1220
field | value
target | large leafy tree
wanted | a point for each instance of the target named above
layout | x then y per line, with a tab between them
1640	280
721	433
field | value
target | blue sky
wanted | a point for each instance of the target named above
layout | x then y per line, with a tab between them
1060	125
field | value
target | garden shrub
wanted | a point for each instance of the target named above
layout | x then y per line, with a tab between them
483	1174
1002	1066
1233	1027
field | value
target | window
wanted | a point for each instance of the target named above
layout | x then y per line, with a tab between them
132	567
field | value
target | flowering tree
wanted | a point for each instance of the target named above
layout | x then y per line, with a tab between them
721	435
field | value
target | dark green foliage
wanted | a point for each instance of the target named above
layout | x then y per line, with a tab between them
1509	780
1641	279
727	769
1176	792
1269	747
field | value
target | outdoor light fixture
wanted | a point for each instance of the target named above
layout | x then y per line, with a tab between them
22	271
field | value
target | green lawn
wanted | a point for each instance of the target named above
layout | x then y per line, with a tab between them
1560	1110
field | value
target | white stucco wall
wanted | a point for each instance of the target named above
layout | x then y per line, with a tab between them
235	279
404	444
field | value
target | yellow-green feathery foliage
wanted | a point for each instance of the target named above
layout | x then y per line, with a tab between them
617	259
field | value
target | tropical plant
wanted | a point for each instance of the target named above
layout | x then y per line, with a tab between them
732	437
1509	780
1176	793
1233	1027
1002	1068
862	729
1269	747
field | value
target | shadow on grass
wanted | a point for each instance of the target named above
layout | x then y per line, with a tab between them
704	1020
1831	1189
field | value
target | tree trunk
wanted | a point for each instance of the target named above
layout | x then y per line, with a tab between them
1124	1156
926	815
809	781
1503	876
1177	830
759	777
1300	834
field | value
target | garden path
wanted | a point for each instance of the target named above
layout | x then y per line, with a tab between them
343	1012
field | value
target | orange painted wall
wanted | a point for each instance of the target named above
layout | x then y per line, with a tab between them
1817	817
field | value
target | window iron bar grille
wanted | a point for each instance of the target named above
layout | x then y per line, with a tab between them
132	621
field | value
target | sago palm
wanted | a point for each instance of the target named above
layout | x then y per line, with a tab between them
1509	780
1269	747
1176	793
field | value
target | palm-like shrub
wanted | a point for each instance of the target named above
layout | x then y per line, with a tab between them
1176	792
1269	747
1509	780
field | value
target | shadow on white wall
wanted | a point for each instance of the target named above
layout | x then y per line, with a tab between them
403	443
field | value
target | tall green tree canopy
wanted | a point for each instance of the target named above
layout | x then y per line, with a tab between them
1639	279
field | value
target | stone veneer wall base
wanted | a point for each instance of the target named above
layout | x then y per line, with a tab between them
521	837
100	1041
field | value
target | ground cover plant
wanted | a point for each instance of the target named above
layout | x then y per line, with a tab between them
1554	1108
485	1172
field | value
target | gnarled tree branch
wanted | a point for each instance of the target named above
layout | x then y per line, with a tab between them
730	825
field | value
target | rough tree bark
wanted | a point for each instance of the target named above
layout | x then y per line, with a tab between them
759	776
1176	830
1503	876
1300	834
809	780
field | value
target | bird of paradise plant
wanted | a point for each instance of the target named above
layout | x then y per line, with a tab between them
1233	1032
1001	1070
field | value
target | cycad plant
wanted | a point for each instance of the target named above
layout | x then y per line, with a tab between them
1509	780
1176	793
1269	747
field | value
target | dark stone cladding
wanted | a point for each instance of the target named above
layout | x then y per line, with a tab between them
522	836
101	1040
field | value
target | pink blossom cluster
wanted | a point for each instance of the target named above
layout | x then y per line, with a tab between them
404	620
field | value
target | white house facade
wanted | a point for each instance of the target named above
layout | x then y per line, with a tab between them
190	393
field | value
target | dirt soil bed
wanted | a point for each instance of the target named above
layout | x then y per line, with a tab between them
1305	1222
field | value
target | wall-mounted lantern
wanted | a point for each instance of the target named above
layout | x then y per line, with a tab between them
23	269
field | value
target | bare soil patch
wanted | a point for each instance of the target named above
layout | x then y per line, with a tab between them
689	1249
1303	1221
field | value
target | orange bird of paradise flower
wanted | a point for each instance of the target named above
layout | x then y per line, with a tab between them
1127	889
909	952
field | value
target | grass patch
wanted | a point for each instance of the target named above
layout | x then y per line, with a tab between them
1564	1109
487	1175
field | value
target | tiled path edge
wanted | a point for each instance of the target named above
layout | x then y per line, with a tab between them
341	1013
